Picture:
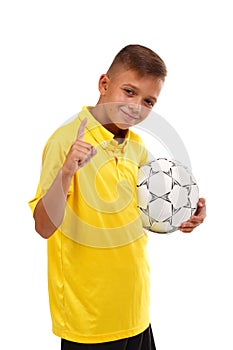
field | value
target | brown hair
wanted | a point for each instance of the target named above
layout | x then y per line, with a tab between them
141	59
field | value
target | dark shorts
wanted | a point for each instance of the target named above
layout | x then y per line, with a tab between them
142	341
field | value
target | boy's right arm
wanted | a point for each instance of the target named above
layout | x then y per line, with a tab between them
49	211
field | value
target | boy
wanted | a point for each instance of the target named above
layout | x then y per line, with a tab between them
86	205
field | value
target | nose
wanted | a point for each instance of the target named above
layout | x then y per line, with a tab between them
135	107
136	100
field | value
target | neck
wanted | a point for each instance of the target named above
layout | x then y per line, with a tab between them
99	114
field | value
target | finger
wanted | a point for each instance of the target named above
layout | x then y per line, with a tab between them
186	230
189	224
201	202
93	151
82	145
201	211
201	206
196	219
86	159
80	134
82	150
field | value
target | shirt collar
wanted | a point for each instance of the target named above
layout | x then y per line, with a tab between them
103	136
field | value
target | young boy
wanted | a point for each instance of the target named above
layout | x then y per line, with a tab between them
86	205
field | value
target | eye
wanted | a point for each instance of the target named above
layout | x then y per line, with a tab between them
149	103
129	92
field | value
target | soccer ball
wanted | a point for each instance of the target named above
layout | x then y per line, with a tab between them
167	195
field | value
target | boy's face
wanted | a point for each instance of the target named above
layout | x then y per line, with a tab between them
127	97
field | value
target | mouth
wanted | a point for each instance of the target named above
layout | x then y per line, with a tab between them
130	117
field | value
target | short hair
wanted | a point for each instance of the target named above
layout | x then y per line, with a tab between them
141	59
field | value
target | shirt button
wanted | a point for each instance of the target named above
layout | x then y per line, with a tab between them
104	143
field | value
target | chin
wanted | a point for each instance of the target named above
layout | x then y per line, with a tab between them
123	126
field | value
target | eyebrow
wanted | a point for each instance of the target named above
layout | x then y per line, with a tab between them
136	88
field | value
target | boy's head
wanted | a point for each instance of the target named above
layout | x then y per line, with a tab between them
140	59
131	86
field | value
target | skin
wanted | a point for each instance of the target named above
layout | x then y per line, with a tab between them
126	99
135	96
47	216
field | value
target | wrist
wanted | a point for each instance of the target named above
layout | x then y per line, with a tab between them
65	174
65	177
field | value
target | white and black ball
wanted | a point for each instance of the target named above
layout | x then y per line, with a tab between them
167	195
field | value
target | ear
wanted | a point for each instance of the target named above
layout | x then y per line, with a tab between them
103	84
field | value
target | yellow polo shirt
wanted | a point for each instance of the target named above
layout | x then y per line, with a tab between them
98	273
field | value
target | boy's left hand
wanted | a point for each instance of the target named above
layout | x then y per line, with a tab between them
195	219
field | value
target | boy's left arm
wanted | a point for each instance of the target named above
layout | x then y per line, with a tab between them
195	219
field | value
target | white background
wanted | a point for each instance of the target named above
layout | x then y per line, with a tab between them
52	54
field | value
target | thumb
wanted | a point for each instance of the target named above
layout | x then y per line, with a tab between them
80	134
201	202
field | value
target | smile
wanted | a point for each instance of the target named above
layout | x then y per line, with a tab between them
129	116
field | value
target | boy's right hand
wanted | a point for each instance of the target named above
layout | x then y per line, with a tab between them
79	154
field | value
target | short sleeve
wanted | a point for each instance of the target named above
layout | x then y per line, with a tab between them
53	157
144	154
